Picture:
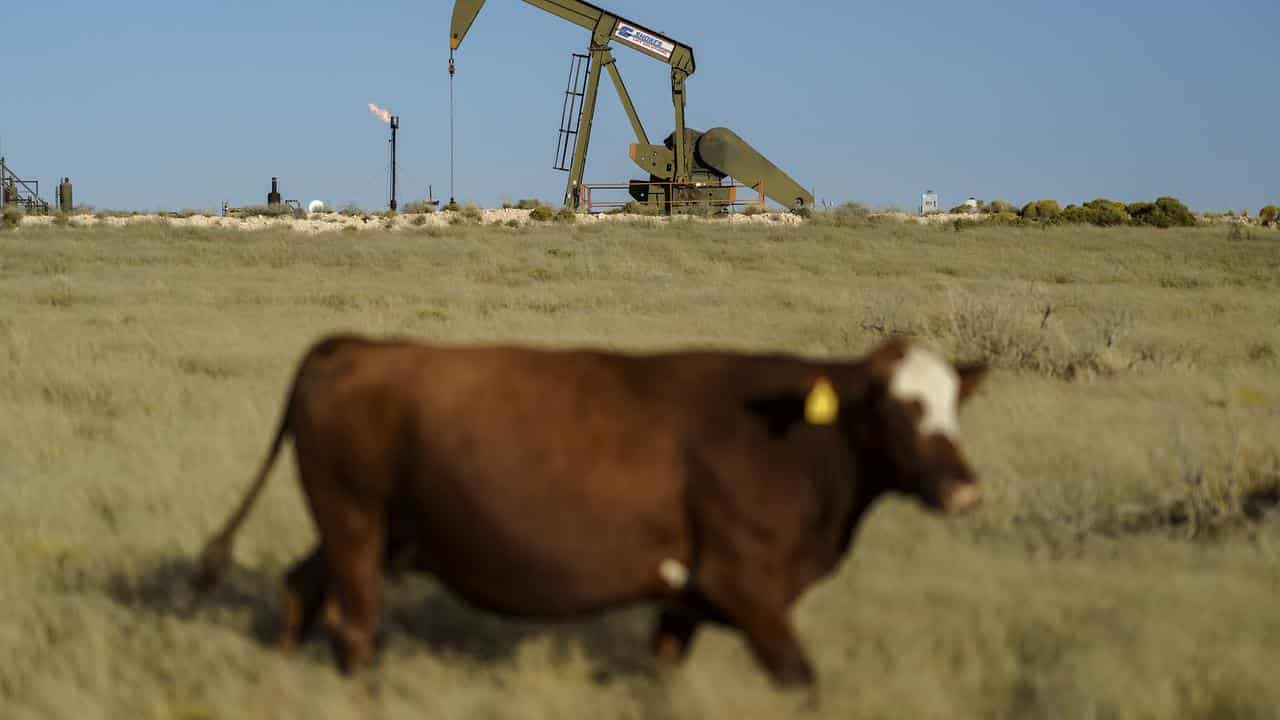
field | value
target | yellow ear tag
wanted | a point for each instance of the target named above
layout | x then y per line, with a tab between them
822	406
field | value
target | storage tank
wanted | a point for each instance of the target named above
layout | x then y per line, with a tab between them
65	203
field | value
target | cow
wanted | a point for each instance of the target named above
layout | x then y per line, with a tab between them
544	483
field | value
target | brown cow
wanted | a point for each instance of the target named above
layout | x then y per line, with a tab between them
548	483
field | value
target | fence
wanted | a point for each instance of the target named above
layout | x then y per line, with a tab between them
588	201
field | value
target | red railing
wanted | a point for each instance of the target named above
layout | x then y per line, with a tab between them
587	201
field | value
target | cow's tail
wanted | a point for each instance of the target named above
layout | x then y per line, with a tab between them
215	559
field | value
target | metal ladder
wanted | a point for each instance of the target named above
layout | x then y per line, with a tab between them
574	92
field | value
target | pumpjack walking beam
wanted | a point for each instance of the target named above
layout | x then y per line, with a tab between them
606	27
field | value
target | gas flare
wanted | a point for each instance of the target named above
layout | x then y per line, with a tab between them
383	114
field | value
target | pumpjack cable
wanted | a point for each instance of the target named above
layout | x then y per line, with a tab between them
452	196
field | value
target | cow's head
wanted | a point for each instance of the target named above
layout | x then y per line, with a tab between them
910	437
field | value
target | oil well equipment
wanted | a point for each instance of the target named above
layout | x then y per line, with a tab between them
26	193
690	167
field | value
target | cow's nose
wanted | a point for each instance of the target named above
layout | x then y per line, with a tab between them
962	496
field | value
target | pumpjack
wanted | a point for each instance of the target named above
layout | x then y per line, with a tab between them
689	168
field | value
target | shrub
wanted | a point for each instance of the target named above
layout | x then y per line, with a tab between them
263	211
1107	212
1179	214
998	207
1165	212
753	209
1041	210
471	213
1140	212
541	214
1238	232
1100	212
522	204
419	207
11	218
1269	215
1001	219
636	208
850	214
1073	214
567	216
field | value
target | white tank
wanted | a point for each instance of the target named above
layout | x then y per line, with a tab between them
315	206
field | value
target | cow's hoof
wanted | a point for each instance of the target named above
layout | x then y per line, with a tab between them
669	652
804	699
794	675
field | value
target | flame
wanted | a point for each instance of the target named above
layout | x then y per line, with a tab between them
385	115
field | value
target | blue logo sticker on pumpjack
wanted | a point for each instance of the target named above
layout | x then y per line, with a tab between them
645	40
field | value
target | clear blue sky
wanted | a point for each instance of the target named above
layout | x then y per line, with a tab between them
171	104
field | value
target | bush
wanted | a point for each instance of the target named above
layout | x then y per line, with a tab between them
1073	214
11	218
850	214
754	209
1107	212
1041	210
1269	215
263	211
999	207
1002	219
529	204
1100	212
541	214
635	208
419	207
1165	212
567	216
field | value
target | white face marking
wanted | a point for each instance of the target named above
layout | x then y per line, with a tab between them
925	377
674	573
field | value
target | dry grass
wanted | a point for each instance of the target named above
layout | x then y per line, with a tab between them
1125	564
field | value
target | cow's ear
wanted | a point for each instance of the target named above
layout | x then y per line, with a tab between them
819	406
778	412
971	376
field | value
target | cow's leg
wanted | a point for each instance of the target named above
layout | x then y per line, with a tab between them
679	622
673	636
774	642
761	614
354	549
304	591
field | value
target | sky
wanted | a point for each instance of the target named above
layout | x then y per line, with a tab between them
169	105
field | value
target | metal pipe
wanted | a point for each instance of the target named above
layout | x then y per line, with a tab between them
395	125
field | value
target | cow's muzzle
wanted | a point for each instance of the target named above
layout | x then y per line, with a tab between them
961	497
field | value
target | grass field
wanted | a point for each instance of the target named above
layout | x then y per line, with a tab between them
1126	563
